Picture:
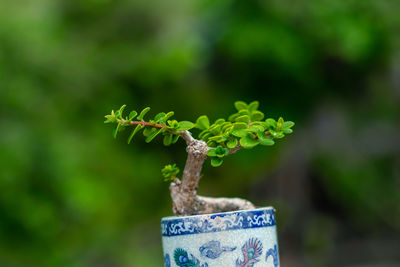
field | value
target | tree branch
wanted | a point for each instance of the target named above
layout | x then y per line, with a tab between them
235	149
238	147
184	193
143	123
187	136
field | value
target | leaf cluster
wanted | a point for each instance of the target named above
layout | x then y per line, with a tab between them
217	154
160	124
245	128
170	172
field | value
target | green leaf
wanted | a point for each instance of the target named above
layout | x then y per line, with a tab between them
173	124
115	130
153	135
280	122
227	127
248	141
215	129
203	133
149	130
256	128
167	116
239	105
244	112
169	172
185	125
253	106
273	132
167	139
118	115
159	116
132	115
137	129
280	135
287	125
110	118
206	136
219	121
121	109
212	152
287	131
240	132
244	118
175	138
239	125
257	115
264	139
232	143
211	143
233	117
143	113
267	142
221	151
271	122
216	162
203	122
218	138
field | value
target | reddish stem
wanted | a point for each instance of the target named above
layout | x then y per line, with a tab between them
145	123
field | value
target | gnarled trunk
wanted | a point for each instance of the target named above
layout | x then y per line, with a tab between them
184	193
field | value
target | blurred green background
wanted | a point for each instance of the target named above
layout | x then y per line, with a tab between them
70	195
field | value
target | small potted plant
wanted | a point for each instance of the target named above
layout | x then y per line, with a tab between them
208	232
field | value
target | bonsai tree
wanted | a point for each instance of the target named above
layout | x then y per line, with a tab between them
244	129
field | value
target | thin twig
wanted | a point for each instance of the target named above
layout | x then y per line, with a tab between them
144	123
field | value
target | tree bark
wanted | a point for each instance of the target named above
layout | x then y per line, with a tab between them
184	193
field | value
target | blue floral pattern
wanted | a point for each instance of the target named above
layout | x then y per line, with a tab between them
167	260
251	250
245	238
213	249
274	253
182	259
218	222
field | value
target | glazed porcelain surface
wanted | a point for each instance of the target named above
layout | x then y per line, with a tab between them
244	238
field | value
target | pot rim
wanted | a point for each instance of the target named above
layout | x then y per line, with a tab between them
167	218
218	222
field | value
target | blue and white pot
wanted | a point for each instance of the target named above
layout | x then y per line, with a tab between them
243	238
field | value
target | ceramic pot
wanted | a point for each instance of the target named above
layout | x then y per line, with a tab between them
243	238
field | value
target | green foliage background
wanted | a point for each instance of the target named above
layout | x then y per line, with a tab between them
70	195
